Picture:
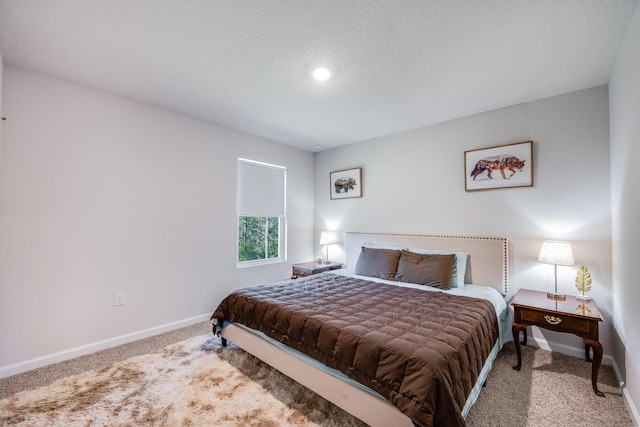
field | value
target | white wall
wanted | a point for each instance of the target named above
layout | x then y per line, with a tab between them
625	192
1	80
100	194
414	182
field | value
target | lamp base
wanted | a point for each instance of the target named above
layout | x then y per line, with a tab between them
556	297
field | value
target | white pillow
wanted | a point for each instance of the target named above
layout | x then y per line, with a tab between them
459	267
374	245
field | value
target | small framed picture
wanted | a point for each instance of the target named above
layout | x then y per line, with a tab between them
503	166
346	183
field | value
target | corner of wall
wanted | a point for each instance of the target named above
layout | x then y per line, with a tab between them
1	80
624	107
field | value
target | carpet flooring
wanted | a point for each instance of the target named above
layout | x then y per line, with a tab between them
550	390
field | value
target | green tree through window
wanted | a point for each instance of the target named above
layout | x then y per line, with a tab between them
258	238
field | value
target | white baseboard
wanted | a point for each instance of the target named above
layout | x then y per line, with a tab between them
27	365
566	349
633	411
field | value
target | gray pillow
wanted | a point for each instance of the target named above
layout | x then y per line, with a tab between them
426	269
376	262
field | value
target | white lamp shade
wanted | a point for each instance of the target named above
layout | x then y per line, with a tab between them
556	252
328	238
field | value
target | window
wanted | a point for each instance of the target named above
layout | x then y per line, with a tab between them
260	206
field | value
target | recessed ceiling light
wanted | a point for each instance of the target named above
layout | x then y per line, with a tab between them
321	74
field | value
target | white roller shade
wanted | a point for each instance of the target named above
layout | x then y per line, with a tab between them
261	189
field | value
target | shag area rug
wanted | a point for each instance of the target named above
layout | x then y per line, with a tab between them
198	383
191	383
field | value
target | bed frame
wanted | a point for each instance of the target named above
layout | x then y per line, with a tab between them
489	257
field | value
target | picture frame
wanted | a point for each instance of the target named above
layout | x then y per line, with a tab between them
346	183
500	166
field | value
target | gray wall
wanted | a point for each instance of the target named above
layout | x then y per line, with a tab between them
414	182
100	194
625	193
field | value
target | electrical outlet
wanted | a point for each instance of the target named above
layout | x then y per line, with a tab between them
118	298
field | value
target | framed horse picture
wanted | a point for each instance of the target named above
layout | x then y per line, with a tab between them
502	166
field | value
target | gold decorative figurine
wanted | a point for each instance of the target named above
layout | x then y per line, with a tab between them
583	282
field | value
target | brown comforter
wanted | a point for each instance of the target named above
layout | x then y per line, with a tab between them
421	350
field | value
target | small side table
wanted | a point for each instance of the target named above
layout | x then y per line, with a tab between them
309	268
570	314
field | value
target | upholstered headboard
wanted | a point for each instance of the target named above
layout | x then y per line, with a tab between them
488	262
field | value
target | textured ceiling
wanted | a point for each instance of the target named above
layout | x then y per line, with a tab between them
245	64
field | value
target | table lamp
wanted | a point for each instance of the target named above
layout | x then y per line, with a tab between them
328	238
557	253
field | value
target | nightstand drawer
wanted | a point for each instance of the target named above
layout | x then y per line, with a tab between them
555	321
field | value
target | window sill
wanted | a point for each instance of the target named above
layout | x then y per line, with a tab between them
260	262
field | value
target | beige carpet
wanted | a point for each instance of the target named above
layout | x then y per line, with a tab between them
197	383
551	389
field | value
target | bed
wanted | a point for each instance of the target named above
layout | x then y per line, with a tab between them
373	338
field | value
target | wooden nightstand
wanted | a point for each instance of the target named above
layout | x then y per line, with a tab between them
571	315
309	268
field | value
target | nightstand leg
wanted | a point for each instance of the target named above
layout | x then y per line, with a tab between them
595	365
587	352
515	330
